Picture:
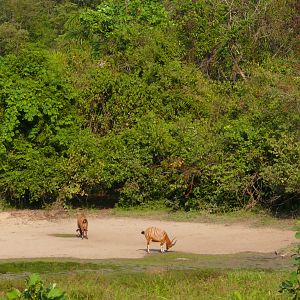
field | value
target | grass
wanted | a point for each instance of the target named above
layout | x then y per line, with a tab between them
254	218
167	261
163	284
157	276
197	284
257	218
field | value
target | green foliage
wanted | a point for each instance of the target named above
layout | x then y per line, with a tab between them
11	38
190	103
40	134
292	285
110	17
40	22
35	289
35	96
223	37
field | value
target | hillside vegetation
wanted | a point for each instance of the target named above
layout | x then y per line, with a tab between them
195	104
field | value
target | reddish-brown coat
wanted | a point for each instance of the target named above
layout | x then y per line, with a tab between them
82	224
154	234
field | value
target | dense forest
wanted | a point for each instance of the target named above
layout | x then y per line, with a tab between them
190	103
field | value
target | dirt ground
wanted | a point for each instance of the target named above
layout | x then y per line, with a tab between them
24	236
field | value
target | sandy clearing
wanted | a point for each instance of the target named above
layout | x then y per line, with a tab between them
121	238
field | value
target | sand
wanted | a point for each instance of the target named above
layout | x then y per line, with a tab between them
113	237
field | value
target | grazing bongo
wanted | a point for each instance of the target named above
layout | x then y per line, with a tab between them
155	234
82	224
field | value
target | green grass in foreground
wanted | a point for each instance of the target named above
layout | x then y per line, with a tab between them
168	276
167	261
163	284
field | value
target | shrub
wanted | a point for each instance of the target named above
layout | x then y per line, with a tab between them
35	290
292	285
